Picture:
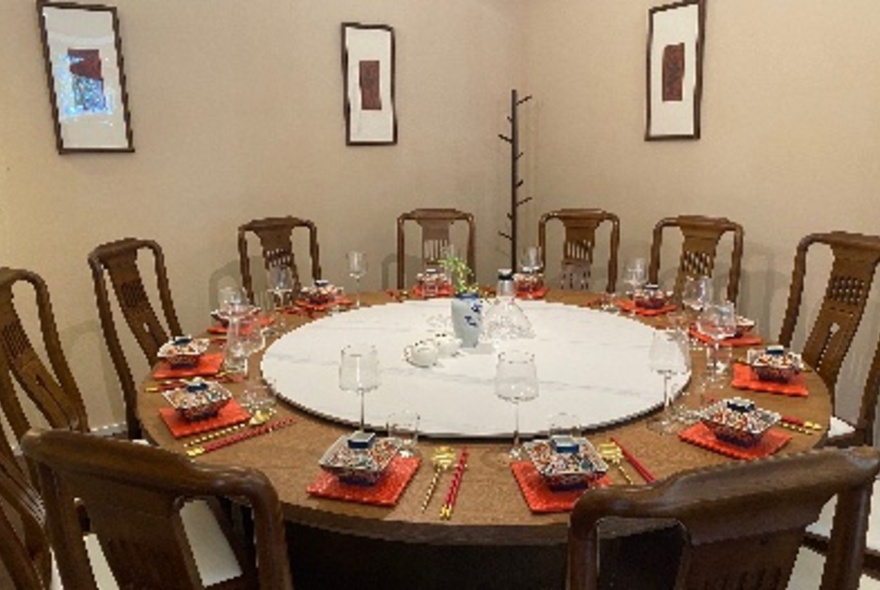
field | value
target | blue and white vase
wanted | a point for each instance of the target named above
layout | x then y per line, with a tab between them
467	310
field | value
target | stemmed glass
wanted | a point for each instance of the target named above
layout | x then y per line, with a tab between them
281	284
696	294
516	380
232	302
717	321
668	356
357	269
359	371
244	338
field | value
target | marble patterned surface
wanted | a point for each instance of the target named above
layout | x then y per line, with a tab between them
591	364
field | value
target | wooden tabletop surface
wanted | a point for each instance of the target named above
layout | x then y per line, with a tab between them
490	508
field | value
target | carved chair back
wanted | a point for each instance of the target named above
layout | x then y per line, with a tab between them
578	243
742	522
700	238
436	225
855	260
133	495
275	235
118	261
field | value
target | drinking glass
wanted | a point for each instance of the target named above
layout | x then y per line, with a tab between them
516	380
243	338
357	269
530	260
232	302
717	321
696	293
259	401
404	426
634	277
668	356
359	372
565	424
282	285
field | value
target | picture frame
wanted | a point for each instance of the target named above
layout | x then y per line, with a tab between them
676	41
84	66
368	72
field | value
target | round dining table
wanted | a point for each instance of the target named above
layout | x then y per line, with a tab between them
490	510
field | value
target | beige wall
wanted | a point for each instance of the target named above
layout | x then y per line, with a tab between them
237	114
790	132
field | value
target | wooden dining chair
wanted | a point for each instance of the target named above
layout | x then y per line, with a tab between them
118	262
855	260
700	238
133	495
436	225
25	554
742	523
24	373
275	235
578	243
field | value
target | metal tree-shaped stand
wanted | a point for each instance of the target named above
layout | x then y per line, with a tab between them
515	181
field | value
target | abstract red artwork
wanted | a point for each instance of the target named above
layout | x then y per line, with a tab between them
369	83
673	73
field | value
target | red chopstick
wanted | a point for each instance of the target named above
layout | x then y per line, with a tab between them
452	494
240	436
637	465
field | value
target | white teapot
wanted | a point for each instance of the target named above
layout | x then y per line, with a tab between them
423	353
447	344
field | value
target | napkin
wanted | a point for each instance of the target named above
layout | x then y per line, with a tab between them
700	435
540	498
209	364
338	302
229	415
744	378
628	306
442	291
536	294
386	492
744	340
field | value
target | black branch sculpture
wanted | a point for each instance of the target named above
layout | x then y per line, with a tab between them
515	181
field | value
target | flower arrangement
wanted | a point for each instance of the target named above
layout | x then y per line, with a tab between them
460	275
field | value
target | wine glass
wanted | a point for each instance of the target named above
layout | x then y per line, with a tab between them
357	269
717	321
232	302
668	356
696	293
359	371
281	283
516	380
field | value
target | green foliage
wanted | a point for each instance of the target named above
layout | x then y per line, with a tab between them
460	275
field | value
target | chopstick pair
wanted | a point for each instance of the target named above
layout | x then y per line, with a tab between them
636	464
452	494
238	437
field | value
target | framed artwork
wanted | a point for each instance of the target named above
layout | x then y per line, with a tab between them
675	70
368	72
83	54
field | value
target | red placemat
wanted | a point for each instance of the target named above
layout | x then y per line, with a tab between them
744	378
536	294
221	329
229	415
628	306
540	498
209	364
700	435
386	492
744	340
338	302
442	291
